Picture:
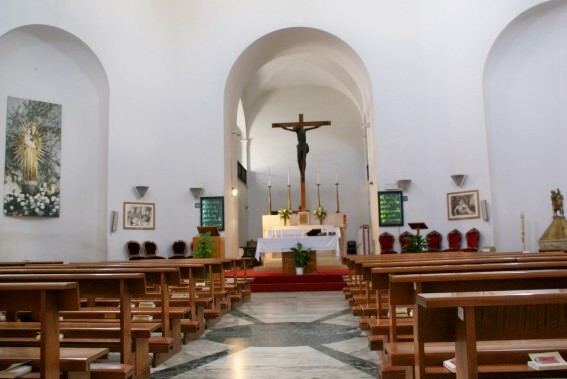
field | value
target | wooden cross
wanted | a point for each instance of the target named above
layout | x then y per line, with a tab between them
300	128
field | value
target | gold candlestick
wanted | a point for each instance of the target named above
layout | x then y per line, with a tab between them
337	186
289	197
269	199
318	196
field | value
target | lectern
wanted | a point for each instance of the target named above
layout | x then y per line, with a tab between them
218	241
417	226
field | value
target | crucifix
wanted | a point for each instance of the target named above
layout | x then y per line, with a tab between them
300	129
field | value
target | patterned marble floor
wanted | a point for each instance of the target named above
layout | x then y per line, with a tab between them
279	335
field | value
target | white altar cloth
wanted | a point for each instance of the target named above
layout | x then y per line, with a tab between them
300	231
279	245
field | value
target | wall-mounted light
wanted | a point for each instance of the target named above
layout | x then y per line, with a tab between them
196	191
404	184
459	180
141	191
235	132
234	191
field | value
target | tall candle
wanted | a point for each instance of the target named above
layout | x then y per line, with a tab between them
336	175
288	176
269	177
317	174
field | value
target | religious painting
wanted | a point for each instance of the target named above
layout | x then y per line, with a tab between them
303	218
463	205
32	170
140	216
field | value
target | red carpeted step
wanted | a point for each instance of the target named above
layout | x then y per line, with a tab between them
292	287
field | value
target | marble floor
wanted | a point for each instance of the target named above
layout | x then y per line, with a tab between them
279	335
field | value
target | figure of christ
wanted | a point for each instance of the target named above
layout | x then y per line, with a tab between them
31	152
300	129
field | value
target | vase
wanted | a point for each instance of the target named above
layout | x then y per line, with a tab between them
285	221
299	270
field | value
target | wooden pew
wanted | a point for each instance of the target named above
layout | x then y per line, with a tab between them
513	318
123	285
404	289
47	299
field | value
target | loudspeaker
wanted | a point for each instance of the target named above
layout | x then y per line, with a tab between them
484	209
113	221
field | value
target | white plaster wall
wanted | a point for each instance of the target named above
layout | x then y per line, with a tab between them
167	63
46	64
526	92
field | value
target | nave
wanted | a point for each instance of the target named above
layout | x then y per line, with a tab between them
279	335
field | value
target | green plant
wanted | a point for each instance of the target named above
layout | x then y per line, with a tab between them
320	213
417	244
284	214
301	255
204	248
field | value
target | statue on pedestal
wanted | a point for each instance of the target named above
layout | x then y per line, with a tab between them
555	236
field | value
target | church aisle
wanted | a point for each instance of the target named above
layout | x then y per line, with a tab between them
279	335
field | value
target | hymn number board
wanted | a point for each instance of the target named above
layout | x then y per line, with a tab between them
212	212
390	208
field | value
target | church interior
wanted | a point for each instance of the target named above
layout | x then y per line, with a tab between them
123	122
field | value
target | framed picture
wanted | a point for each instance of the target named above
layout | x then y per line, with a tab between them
463	205
303	218
140	216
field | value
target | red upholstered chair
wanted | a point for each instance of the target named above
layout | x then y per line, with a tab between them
433	240
386	241
472	237
151	249
405	241
133	248
179	248
454	238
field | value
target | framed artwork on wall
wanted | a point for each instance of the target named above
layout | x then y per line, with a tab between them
141	216
303	218
463	205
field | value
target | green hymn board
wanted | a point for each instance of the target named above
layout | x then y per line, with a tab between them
212	212
390	208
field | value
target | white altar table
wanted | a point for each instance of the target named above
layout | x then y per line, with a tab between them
280	245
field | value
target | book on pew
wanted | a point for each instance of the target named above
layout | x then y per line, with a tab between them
142	318
547	361
450	365
16	370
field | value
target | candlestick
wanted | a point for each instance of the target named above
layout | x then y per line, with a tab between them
269	199
318	196
289	196
337	185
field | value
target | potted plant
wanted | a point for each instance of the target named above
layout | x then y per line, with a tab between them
417	244
320	213
301	257
205	247
284	214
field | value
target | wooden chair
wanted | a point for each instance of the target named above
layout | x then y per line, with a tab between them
151	249
454	239
472	238
405	241
433	240
386	241
179	248
134	248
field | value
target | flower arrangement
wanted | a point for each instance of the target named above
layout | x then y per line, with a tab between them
284	214
320	213
43	203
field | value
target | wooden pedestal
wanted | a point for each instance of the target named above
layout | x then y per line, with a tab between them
288	263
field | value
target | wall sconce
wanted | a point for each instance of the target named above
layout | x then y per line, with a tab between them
459	180
234	191
404	184
141	190
196	191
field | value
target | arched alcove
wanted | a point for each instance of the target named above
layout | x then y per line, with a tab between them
525	91
282	74
44	63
